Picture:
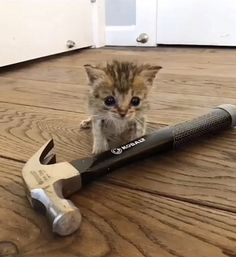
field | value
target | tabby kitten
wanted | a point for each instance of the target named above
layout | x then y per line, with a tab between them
118	102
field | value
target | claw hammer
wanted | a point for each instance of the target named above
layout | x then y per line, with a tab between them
49	184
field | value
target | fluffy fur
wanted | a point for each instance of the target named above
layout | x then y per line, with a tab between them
122	122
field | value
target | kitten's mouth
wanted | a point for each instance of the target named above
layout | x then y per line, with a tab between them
123	118
118	117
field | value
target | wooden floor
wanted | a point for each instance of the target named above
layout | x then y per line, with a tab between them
179	204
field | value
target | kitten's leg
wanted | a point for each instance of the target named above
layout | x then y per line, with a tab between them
139	128
86	124
100	143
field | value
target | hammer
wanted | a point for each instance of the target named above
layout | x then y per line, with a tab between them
49	183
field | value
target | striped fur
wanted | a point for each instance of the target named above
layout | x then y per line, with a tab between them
122	80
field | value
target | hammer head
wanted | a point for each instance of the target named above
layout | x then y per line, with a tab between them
47	183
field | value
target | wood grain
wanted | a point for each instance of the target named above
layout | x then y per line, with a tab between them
168	103
209	62
198	173
24	129
202	173
116	222
50	95
181	203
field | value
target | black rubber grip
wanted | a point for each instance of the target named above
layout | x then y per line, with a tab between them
215	121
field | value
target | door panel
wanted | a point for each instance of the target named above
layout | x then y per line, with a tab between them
196	22
34	28
127	19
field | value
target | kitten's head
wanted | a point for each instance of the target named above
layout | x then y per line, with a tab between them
120	89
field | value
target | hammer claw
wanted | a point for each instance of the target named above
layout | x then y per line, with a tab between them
46	153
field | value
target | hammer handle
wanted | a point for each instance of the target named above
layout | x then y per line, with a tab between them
216	120
164	139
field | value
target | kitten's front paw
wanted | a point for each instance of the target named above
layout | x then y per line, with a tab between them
86	124
100	147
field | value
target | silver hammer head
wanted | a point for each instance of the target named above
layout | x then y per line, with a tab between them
47	184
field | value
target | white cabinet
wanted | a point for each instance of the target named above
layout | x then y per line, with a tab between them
35	28
196	22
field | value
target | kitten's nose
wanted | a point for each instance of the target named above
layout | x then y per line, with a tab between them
122	113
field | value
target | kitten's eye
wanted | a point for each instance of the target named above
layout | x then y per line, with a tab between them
110	101
135	101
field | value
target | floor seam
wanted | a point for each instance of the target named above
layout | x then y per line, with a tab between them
42	107
12	159
172	197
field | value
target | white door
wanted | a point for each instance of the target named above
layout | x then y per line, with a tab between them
126	20
196	22
35	28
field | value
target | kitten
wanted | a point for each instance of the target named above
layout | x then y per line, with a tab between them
118	102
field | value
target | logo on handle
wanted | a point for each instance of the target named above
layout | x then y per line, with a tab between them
119	150
116	151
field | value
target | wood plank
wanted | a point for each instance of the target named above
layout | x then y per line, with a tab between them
179	92
164	54
218	64
168	103
199	85
24	129
116	222
203	173
44	72
60	96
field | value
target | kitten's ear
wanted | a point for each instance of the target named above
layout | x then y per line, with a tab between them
148	72
94	73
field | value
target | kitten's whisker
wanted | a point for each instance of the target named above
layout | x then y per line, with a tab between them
137	119
97	116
